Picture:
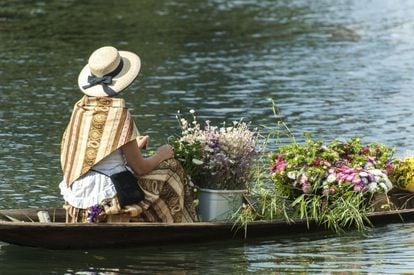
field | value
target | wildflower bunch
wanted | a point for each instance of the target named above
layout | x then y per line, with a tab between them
326	169
333	183
216	157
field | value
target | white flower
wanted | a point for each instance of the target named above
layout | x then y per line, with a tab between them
372	187
331	178
292	175
192	111
383	186
388	183
376	172
363	174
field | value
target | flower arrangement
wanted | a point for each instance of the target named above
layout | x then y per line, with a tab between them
216	157
333	184
403	175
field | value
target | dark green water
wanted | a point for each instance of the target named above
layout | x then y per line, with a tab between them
337	69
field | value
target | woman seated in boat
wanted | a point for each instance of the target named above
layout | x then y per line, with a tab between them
101	142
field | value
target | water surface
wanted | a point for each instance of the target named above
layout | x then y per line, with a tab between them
337	69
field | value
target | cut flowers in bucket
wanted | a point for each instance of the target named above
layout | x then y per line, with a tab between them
216	157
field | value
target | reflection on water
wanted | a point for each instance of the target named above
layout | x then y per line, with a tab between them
350	253
335	68
385	250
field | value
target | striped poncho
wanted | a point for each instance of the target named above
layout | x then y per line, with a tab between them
98	126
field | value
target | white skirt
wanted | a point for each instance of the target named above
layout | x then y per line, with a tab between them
92	188
88	190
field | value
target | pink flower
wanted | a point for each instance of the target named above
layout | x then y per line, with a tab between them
303	179
371	159
359	187
306	188
280	165
316	162
365	150
326	164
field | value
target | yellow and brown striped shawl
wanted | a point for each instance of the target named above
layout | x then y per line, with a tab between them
98	126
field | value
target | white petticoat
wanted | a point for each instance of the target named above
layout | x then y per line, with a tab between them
94	187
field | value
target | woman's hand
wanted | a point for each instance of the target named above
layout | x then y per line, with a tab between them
143	142
165	152
138	163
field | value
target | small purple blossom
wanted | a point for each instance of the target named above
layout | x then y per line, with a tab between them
339	163
389	168
214	143
93	212
360	187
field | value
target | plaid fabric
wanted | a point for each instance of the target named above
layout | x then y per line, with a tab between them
98	126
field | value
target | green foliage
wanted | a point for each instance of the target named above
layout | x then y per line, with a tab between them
190	156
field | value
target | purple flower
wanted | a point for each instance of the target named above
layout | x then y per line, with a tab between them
360	187
389	169
214	143
339	163
93	212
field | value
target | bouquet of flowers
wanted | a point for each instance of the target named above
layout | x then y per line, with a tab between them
333	184
216	157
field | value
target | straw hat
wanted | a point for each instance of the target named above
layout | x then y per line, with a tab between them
108	72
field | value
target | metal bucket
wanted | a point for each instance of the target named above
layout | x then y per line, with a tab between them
218	205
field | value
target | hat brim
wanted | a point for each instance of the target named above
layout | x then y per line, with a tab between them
130	70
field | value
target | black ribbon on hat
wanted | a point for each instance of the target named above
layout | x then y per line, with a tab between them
104	80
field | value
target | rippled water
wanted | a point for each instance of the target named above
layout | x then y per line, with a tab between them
336	69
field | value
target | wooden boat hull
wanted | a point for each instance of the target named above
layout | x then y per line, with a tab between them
60	235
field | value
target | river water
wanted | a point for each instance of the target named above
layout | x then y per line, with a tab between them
337	69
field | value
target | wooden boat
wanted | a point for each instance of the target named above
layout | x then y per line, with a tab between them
61	235
28	231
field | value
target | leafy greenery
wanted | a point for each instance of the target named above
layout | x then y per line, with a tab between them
190	156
